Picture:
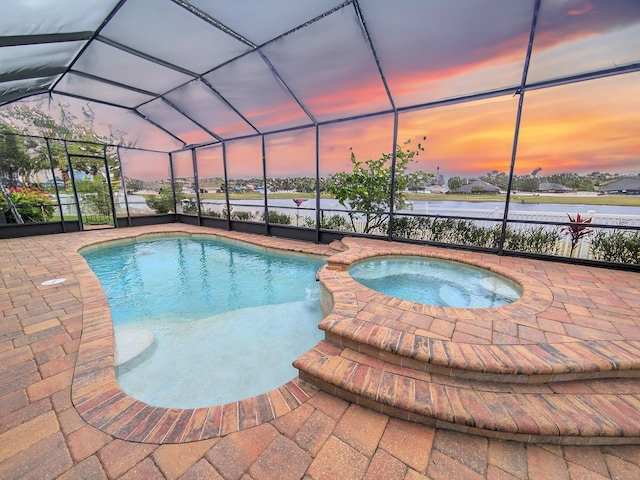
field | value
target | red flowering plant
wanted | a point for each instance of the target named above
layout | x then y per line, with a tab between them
577	229
33	204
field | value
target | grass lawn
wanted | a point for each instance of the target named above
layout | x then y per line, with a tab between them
619	200
257	196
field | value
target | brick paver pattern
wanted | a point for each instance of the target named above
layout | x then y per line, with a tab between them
320	436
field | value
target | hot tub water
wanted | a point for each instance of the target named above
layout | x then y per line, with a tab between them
433	281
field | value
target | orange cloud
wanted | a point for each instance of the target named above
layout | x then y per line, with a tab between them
278	116
566	22
361	97
367	138
144	165
583	127
464	139
585	9
291	154
210	163
244	158
182	164
580	127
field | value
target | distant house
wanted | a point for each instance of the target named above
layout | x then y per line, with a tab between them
624	186
549	187
478	186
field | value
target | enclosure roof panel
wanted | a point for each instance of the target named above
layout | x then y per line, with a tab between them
330	67
111	63
169	32
40	17
201	103
175	122
264	20
83	86
486	50
30	61
254	89
18	89
604	36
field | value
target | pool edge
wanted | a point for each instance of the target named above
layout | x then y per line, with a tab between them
101	402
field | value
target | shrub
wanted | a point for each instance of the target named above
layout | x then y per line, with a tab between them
455	231
410	227
100	200
533	240
241	215
467	232
335	222
32	204
211	213
164	202
190	207
440	229
309	222
617	246
276	217
365	192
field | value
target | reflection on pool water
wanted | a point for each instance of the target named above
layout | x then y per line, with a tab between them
433	281
226	319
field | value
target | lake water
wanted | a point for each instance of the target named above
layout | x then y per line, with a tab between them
433	207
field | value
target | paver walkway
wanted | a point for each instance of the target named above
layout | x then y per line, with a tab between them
42	434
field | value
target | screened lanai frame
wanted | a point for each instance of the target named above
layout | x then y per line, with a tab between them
375	70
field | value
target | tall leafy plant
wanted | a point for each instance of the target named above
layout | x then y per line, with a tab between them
164	202
577	229
85	141
366	191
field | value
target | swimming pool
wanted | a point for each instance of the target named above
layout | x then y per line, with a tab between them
227	318
434	281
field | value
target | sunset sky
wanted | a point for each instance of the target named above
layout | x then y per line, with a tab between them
580	127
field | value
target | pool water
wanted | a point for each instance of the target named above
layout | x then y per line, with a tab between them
433	281
228	319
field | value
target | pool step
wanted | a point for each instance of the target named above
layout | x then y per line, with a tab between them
527	364
337	246
588	411
130	343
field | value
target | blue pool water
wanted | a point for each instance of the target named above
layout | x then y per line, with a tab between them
433	281
228	319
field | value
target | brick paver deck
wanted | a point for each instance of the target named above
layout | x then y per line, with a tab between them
62	415
512	372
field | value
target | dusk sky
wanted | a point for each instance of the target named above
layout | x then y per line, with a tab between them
580	127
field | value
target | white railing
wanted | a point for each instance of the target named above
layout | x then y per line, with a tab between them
611	219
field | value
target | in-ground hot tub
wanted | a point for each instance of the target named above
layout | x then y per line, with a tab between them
434	281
